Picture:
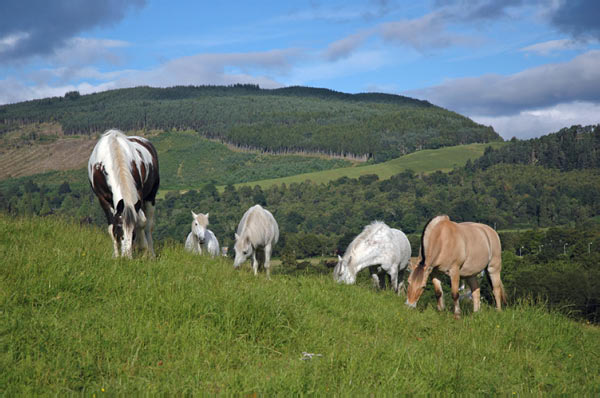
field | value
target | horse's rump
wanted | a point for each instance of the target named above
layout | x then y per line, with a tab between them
258	226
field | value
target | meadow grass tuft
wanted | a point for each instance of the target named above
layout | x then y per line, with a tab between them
72	319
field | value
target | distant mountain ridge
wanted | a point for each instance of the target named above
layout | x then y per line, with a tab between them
371	125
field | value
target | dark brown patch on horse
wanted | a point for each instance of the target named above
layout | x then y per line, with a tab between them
422	262
151	183
102	191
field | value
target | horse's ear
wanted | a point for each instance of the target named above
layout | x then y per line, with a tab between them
120	206
339	258
193	214
236	236
206	215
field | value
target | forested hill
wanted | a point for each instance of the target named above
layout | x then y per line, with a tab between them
381	126
571	148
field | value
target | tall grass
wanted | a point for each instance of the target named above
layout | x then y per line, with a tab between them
72	319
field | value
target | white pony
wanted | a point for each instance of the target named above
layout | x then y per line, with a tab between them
380	248
201	237
257	229
123	173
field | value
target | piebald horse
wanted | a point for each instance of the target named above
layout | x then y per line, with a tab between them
123	173
459	250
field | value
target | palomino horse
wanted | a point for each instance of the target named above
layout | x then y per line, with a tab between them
380	248
459	250
201	237
123	173
257	229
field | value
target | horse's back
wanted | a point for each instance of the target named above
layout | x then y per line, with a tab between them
259	225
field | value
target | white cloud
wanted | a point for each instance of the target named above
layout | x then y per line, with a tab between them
537	122
358	62
260	68
216	69
535	88
12	90
11	41
423	33
86	51
344	47
552	46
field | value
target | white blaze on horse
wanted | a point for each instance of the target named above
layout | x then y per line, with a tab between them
461	251
201	237
123	173
382	249
257	230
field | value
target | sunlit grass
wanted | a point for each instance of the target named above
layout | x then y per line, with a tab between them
72	319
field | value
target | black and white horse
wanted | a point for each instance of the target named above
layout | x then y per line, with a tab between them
123	173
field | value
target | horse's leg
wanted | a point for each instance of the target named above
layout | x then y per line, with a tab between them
475	292
494	273
115	243
254	263
149	211
439	293
268	260
375	276
400	282
394	279
455	282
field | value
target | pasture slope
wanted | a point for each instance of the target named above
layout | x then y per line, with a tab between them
425	161
72	319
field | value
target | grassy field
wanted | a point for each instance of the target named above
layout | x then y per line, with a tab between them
74	320
426	161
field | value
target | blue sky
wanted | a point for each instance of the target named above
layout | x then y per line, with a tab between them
524	67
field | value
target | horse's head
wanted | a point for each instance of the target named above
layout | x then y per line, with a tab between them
243	248
122	227
416	282
199	226
341	272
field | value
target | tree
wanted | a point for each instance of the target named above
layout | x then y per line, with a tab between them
64	188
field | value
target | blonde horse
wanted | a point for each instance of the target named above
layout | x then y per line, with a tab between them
459	250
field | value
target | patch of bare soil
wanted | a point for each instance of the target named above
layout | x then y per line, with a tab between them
36	157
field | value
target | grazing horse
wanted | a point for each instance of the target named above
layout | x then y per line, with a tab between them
380	248
201	237
459	250
123	173
257	229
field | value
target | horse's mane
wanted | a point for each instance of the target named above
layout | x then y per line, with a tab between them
202	219
431	223
367	230
121	168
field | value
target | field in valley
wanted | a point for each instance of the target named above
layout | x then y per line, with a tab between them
425	161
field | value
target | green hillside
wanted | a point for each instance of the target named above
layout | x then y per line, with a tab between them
282	120
425	161
74	320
